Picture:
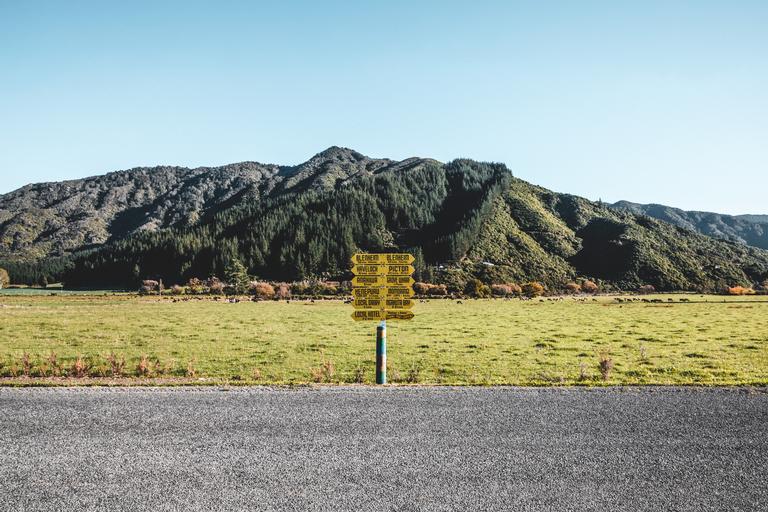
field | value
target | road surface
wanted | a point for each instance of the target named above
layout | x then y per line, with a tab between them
399	449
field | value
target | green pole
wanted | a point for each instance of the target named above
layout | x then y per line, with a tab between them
381	353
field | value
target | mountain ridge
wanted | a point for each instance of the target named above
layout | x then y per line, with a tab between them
462	220
746	229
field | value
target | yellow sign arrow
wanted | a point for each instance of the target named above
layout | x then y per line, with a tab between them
382	270
398	303
383	292
368	303
383	280
380	314
382	259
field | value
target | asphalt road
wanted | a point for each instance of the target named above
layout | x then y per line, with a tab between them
383	449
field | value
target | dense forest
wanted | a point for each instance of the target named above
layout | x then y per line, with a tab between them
463	220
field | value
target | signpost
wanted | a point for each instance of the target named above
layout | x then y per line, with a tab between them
381	291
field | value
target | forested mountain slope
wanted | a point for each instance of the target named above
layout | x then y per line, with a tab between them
462	219
745	229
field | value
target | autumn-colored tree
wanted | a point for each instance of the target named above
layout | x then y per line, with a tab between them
283	291
438	290
588	286
421	288
5	279
262	290
533	289
572	287
740	290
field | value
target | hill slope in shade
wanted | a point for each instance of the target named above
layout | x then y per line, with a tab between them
745	229
461	220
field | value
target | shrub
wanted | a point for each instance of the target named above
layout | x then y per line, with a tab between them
501	290
142	369
191	371
195	286
605	365
421	288
476	288
283	291
262	290
5	279
53	363
438	290
588	286
740	290
116	365
299	288
215	286
646	289
324	373
572	287
149	286
177	290
533	289
80	367
26	364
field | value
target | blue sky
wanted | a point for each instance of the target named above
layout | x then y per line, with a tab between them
649	101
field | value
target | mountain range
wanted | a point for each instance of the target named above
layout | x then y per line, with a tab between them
745	229
462	220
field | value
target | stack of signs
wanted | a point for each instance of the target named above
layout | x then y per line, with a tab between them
382	286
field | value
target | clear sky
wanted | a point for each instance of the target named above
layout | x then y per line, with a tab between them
651	101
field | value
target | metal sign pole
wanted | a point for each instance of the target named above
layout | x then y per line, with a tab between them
381	353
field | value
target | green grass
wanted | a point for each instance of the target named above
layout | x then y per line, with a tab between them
719	341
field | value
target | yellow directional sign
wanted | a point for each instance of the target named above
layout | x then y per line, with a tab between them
382	280
382	270
382	286
380	314
369	280
382	259
398	280
369	270
383	292
368	303
398	303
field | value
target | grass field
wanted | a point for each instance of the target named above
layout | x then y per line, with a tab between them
708	341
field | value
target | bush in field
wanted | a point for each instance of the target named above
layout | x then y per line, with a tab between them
215	286
572	288
438	290
5	279
605	365
476	288
504	290
533	289
283	291
740	290
589	286
421	288
149	286
195	286
177	290
646	289
300	288
262	290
